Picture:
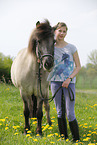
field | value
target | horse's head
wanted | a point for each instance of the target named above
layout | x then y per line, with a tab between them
42	44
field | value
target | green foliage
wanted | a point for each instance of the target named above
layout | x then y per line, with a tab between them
12	120
5	66
87	77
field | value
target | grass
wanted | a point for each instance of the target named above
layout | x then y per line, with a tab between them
12	120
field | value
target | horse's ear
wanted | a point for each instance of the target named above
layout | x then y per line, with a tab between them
37	23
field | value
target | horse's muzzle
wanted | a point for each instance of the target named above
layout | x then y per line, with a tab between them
48	63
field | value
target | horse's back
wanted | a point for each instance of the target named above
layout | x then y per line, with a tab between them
21	67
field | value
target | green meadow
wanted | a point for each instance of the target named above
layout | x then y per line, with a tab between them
12	120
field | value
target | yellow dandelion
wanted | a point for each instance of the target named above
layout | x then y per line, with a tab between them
28	135
15	127
94	132
89	130
86	139
34	118
28	131
34	122
84	135
6	117
6	128
54	108
67	140
45	127
59	139
53	117
56	134
86	127
50	135
50	128
80	125
35	139
16	133
37	135
88	134
85	123
91	144
52	142
90	126
3	120
62	135
0	124
18	126
52	121
95	104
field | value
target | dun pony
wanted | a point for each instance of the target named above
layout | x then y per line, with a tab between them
24	73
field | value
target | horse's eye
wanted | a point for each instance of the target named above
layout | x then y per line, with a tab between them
39	41
54	41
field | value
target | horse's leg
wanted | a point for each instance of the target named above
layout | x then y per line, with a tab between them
47	109
26	114
39	114
33	106
34	109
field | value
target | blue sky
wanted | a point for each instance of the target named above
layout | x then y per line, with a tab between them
18	18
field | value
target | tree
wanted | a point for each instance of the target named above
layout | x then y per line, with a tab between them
92	65
93	57
5	66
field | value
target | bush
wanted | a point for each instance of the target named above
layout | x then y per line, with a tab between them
5	66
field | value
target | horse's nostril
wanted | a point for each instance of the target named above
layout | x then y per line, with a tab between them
48	64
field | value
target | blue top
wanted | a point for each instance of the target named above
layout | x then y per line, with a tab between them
63	63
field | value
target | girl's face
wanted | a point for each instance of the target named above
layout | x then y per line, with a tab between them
60	33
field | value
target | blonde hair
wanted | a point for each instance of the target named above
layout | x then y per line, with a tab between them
60	24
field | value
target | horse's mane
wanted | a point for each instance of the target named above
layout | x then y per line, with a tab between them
41	32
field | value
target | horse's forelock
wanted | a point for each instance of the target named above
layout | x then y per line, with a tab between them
44	30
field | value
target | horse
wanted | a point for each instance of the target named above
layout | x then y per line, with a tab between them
25	73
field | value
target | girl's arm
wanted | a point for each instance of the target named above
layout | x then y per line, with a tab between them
75	72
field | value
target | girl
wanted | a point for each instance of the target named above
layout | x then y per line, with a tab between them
63	74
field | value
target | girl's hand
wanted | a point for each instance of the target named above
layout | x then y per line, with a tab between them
66	83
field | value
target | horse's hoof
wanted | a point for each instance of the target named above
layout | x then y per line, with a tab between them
50	123
26	130
38	133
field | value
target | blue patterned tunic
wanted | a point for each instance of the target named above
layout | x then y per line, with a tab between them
63	63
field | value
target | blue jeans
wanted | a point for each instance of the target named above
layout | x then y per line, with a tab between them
57	100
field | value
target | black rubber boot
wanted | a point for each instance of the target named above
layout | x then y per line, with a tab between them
74	130
62	124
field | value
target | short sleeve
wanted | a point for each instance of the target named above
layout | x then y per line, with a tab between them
73	49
